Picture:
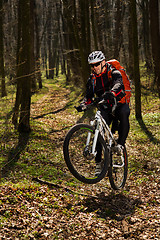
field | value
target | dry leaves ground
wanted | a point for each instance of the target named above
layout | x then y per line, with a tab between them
66	208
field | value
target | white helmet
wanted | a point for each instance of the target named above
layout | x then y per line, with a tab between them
96	56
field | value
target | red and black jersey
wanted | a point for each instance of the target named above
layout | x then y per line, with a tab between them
98	84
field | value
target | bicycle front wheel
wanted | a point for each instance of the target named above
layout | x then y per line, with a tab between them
78	155
118	169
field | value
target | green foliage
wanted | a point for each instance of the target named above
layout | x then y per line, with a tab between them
42	155
35	211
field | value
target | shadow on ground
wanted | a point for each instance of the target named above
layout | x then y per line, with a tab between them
14	154
147	132
114	206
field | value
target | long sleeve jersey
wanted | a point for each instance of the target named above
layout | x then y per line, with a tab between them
98	84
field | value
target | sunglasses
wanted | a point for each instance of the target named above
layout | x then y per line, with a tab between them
95	64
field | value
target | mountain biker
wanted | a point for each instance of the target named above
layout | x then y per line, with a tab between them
108	89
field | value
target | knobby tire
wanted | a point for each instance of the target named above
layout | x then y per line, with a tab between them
118	176
80	164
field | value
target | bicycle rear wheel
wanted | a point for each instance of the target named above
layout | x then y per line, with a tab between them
118	169
78	157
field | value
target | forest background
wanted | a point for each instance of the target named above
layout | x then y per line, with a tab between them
44	46
49	35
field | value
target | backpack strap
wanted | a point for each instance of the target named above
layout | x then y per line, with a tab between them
110	75
93	81
109	71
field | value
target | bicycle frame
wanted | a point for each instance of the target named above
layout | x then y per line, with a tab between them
103	128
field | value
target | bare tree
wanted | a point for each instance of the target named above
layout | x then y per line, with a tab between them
155	39
2	71
23	95
136	59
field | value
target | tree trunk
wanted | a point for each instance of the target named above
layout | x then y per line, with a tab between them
146	35
38	69
18	68
130	49
136	59
2	72
61	39
23	95
50	45
155	39
78	39
85	39
24	122
32	60
118	29
94	30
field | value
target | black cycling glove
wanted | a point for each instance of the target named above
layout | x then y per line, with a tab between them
109	97
81	107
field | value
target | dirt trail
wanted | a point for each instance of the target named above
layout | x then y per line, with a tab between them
55	213
130	214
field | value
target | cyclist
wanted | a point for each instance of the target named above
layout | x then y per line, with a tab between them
99	84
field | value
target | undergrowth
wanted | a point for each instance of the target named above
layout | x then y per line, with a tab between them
40	153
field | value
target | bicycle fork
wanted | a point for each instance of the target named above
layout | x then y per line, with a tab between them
93	153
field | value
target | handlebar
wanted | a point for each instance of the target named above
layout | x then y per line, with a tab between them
100	102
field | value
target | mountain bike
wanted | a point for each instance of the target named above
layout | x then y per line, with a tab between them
85	143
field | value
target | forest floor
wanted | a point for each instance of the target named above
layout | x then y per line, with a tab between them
40	199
